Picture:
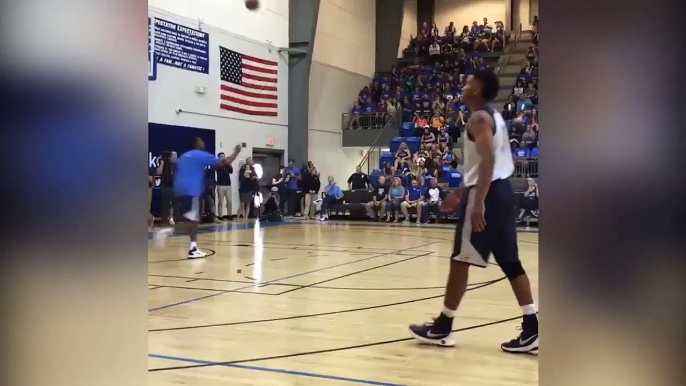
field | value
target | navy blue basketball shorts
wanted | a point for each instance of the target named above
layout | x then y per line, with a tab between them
500	235
186	209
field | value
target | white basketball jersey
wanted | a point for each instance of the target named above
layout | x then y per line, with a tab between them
504	165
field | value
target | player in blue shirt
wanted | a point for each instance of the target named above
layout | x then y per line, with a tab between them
189	185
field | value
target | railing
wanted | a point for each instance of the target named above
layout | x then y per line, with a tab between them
371	121
526	167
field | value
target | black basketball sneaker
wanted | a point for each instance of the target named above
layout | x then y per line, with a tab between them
438	332
527	341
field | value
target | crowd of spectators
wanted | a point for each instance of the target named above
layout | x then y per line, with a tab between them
477	38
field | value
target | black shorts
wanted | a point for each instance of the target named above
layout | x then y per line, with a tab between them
186	209
500	235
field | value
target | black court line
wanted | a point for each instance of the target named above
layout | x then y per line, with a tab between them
302	285
354	273
186	259
192	280
217	290
229	243
154	287
364	345
474	286
248	265
283	258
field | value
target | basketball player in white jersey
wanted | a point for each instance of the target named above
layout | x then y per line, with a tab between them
487	219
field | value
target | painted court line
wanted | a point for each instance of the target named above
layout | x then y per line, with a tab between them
279	279
280	371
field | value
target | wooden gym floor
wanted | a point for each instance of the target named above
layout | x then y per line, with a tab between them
304	303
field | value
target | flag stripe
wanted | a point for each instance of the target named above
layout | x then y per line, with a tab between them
259	69
249	112
248	102
261	78
259	86
247	93
258	60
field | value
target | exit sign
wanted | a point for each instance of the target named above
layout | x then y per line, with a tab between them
270	141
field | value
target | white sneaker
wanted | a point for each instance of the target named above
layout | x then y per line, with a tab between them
195	253
171	221
160	236
323	218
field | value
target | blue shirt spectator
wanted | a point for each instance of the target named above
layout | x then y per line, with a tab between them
292	183
524	104
357	109
333	190
396	193
520	152
415	193
369	107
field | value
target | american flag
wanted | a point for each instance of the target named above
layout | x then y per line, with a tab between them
248	84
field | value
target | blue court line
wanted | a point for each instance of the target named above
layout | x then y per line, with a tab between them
280	371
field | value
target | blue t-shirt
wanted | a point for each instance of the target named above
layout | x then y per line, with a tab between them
369	108
292	182
189	179
524	104
396	193
357	110
415	194
520	153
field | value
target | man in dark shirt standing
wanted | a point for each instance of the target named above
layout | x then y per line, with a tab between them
292	176
166	171
224	192
249	185
358	180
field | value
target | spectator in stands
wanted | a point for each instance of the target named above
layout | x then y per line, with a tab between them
434	30
396	195
310	186
466	41
359	180
434	48
531	55
425	30
530	206
432	201
364	95
379	200
423	151
332	195
529	137
355	115
407	109
428	137
292	198
448	155
392	107
438	104
499	36
413	200
524	103
509	109
437	120
403	157
532	93
443	137
389	172
520	151
450	31
381	112
396	75
518	89
462	111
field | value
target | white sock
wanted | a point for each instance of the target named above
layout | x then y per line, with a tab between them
193	245
448	312
528	309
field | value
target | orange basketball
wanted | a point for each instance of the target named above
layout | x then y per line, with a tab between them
252	4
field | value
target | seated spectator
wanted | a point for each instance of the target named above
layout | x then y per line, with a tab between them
426	108
530	207
425	29
465	39
420	121
437	120
207	202
434	30
403	157
388	171
434	48
499	36
408	110
438	104
428	137
521	151
531	54
413	200
443	137
448	155
432	201
379	201
364	95
332	195
369	107
396	195
509	108
529	137
524	73
423	152
381	112
462	111
392	107
518	89
532	93
355	115
450	31
359	180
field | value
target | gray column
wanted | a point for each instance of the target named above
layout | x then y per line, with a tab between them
389	23
302	16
